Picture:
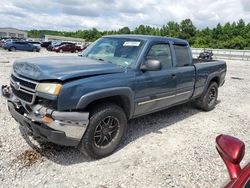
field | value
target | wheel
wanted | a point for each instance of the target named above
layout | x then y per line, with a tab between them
12	49
61	51
76	51
107	127
208	101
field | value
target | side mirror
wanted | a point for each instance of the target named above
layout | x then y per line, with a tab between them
151	65
232	151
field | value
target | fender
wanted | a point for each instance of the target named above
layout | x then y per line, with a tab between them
209	78
109	92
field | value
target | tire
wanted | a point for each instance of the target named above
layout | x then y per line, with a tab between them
12	49
76	51
208	100
61	50
97	141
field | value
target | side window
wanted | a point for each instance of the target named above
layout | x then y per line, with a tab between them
162	53
247	185
182	56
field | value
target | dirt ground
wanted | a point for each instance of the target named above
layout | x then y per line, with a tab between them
171	148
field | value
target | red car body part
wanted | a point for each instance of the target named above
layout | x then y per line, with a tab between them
232	151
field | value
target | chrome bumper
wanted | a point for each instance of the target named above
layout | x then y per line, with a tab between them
73	124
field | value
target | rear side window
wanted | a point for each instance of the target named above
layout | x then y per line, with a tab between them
247	185
162	53
182	56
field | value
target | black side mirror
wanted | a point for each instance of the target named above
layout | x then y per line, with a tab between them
151	65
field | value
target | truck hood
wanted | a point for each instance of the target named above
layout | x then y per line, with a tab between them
63	68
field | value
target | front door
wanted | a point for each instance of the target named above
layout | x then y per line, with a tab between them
156	89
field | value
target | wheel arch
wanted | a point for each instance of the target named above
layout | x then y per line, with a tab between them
122	96
212	78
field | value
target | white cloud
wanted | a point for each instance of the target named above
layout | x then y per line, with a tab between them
110	14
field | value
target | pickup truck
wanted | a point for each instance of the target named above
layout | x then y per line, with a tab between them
86	100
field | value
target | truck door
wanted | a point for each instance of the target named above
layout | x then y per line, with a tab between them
185	72
155	89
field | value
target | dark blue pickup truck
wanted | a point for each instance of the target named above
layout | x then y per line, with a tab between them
85	101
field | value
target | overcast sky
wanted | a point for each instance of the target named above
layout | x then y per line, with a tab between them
73	15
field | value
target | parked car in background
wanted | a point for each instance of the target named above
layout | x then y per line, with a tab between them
46	44
67	48
21	45
35	43
4	41
232	151
56	44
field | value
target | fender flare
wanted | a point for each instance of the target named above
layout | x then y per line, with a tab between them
210	77
88	98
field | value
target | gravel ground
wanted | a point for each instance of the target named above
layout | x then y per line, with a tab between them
171	148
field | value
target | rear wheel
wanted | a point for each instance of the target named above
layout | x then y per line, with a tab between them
208	100
107	127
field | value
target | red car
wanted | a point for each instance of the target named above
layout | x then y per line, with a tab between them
232	151
67	48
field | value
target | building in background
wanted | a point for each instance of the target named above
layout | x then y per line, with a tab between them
61	38
13	33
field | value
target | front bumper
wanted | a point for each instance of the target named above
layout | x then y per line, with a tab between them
63	128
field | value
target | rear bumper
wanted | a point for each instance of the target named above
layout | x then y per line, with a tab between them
63	128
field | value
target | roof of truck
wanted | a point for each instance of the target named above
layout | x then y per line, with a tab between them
151	38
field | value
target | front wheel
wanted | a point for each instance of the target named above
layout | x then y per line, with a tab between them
107	127
12	49
208	100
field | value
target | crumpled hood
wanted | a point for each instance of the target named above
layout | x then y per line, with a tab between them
63	67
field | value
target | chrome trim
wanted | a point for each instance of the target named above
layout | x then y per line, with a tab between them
162	98
183	93
32	90
24	89
73	124
24	78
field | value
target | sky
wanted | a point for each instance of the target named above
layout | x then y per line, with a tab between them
75	15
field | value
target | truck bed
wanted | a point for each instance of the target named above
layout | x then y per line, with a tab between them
195	61
205	70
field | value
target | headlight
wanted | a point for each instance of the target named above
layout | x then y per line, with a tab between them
49	88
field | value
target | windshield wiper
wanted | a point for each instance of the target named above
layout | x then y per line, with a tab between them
100	59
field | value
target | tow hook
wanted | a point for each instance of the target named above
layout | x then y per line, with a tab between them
5	91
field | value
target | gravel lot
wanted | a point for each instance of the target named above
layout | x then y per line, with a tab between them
171	148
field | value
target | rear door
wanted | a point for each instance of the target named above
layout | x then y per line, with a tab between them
17	45
156	89
185	72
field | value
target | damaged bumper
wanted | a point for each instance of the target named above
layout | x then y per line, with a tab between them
64	128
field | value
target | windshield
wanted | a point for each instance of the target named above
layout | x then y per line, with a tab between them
119	51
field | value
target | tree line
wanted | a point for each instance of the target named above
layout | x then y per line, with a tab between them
234	35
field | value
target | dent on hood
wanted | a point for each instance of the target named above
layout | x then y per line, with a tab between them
26	69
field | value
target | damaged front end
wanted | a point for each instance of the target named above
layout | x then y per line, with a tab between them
63	128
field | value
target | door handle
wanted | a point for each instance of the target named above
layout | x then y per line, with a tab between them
173	76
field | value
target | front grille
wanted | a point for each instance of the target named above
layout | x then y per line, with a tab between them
24	82
23	89
22	95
